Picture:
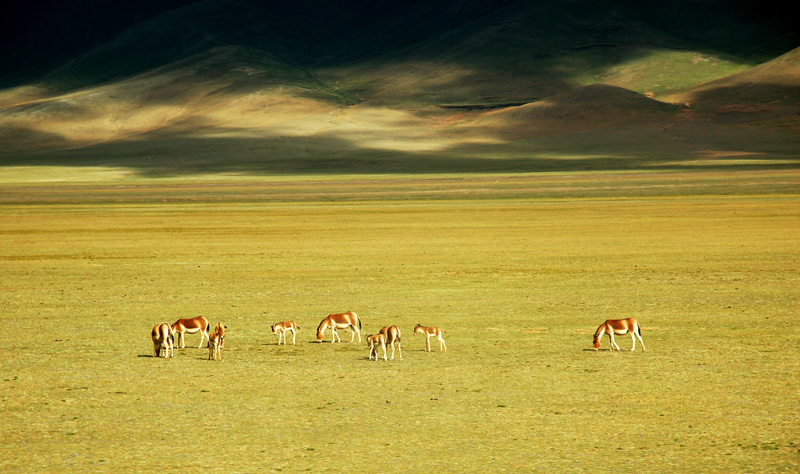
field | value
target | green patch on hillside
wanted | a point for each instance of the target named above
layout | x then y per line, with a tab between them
661	71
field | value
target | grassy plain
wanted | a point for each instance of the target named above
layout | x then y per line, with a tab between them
517	271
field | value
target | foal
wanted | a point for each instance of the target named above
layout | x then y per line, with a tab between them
428	332
220	328
374	341
282	328
214	346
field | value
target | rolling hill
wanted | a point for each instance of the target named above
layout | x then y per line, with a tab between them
438	86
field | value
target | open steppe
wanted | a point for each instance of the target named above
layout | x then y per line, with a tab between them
518	270
513	172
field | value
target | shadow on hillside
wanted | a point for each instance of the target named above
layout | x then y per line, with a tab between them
752	133
48	33
749	102
631	149
243	156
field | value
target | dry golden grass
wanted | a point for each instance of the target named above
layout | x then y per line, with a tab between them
517	280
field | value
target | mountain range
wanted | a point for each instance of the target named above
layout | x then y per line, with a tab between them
384	86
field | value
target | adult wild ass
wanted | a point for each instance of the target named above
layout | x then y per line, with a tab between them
340	321
163	337
618	326
392	334
191	326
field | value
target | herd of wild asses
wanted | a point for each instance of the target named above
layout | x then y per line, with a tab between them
163	334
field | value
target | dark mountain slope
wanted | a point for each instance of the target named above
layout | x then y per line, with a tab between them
96	40
424	86
38	35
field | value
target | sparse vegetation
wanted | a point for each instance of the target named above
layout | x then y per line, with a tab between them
512	172
518	271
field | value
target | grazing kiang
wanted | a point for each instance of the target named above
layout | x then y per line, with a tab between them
619	326
374	341
428	332
340	321
191	326
281	328
214	346
163	337
392	334
220	329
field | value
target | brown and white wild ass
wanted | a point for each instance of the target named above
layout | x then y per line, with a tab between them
374	341
428	332
340	321
392	334
162	336
618	326
282	328
191	326
215	346
220	329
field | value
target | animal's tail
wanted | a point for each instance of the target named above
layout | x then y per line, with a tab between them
639	330
359	321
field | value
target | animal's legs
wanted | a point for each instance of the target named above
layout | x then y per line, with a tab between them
293	336
442	345
613	343
640	340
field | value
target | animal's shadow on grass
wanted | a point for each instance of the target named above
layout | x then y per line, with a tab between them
331	342
381	358
606	350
